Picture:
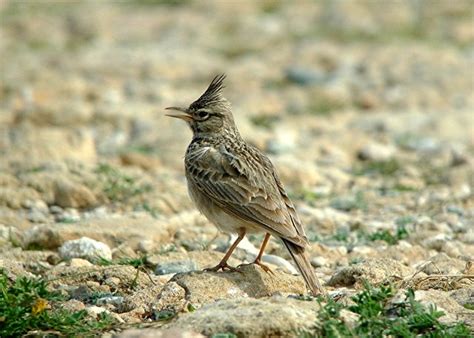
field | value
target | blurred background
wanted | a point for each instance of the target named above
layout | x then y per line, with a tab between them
365	107
361	104
353	100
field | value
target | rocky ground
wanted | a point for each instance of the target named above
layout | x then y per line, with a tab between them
365	108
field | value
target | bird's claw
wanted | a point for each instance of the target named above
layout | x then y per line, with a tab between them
259	263
222	266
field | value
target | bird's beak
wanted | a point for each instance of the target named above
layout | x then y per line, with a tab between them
186	116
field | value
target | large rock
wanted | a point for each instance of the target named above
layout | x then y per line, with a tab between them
247	317
249	281
373	270
453	311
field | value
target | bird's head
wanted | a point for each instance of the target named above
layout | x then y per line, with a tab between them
210	113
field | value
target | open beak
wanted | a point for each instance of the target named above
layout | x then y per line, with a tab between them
185	116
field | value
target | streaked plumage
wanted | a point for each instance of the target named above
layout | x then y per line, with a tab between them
235	185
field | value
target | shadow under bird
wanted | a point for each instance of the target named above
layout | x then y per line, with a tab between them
235	185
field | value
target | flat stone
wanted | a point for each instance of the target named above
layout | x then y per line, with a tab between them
247	317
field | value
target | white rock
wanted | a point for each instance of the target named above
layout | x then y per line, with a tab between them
319	262
146	246
377	152
94	311
85	248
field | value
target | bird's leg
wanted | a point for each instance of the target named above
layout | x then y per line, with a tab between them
223	263
258	260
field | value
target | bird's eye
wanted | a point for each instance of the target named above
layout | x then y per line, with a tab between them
203	114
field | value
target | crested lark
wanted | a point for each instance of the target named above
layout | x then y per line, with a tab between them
235	185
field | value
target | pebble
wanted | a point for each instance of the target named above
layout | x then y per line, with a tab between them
319	261
70	215
4	232
94	310
175	267
86	248
68	194
36	205
42	237
376	152
37	216
146	246
304	76
79	262
112	300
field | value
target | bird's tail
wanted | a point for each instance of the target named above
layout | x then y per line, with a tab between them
304	266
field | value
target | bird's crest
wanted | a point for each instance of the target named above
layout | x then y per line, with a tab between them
213	93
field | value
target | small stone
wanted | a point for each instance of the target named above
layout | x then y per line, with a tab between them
55	209
53	259
112	300
441	264
175	267
374	270
42	237
318	262
37	216
68	194
73	305
36	205
82	293
304	76
69	215
79	262
4	232
436	242
158	333
376	152
93	311
113	282
86	248
146	246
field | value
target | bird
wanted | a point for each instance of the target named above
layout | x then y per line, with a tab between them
235	185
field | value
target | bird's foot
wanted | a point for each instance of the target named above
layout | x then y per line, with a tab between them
259	263
222	266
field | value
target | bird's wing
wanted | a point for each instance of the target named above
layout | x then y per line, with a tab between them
246	187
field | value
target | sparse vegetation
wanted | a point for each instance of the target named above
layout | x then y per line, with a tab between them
118	186
384	168
264	121
381	316
360	237
387	236
357	201
27	305
323	105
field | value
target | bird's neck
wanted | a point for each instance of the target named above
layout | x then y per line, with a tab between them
227	133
